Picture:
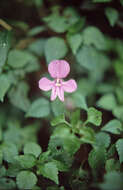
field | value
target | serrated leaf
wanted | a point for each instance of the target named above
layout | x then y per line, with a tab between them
111	151
39	108
75	117
88	135
61	166
4	85
102	139
1	156
107	102
88	57
112	15
19	58
2	171
50	171
118	112
4	47
94	116
80	100
55	48
112	180
93	36
65	139
119	147
58	120
7	184
9	152
114	126
97	158
18	96
37	46
75	41
26	161
32	148
26	180
57	107
13	170
36	30
57	23
112	165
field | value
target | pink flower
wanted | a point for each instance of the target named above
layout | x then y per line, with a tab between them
58	70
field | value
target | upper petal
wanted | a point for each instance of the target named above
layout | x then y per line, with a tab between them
45	84
59	68
69	86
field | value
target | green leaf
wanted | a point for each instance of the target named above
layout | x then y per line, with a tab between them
94	116
32	66
112	165
37	46
75	41
101	1
114	126
32	148
62	137
111	151
4	85
1	156
26	180
118	112
9	152
102	140
97	158
26	161
6	184
19	58
55	48
61	166
107	102
58	120
57	23
60	23
50	171
2	171
36	30
4	47
119	147
39	108
80	100
88	135
112	180
75	117
121	1
57	107
93	36
88	57
13	169
18	96
112	15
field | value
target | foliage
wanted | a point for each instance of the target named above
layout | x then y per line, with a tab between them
76	144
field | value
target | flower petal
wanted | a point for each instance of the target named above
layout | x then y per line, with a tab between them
45	84
53	93
69	86
60	92
58	68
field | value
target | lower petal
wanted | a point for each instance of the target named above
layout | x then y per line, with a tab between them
45	84
60	92
53	93
69	86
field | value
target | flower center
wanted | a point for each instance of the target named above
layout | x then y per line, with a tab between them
58	82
